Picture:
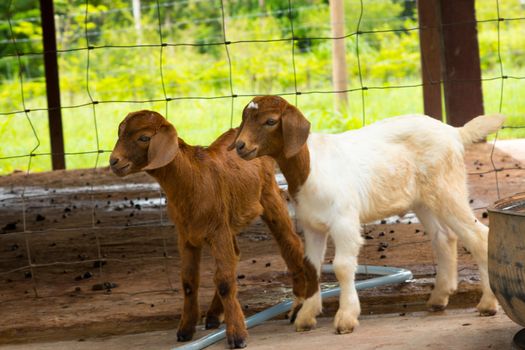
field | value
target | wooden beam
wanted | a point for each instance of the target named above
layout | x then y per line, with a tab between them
52	84
430	48
461	63
339	72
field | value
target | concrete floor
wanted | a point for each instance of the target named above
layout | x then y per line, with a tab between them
456	329
514	147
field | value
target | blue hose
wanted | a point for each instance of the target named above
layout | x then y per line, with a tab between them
388	275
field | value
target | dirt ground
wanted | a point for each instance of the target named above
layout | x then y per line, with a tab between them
104	260
460	329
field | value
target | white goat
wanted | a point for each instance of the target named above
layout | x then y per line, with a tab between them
339	181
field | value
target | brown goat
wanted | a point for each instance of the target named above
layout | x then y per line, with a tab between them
211	195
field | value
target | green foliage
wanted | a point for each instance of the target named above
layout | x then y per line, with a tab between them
122	73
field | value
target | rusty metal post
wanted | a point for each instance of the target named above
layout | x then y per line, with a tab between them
52	84
430	49
461	62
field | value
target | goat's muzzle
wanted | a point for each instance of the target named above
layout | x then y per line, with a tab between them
244	151
119	167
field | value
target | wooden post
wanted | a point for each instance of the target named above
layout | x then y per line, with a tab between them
137	19
52	84
430	48
339	73
461	63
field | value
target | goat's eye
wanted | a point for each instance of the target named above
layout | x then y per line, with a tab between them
271	122
144	138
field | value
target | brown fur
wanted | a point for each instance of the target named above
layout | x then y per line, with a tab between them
285	141
212	194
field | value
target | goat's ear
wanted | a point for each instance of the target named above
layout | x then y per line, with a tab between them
295	130
163	147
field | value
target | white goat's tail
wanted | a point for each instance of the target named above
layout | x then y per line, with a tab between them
478	128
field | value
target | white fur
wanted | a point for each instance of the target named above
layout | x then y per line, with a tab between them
253	105
404	163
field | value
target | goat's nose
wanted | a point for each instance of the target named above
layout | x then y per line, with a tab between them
113	161
240	145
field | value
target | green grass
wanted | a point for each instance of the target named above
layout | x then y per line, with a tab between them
131	73
201	121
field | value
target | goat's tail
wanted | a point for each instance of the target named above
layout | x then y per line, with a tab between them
478	128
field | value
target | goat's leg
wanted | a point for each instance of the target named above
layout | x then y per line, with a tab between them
276	216
444	246
346	235
190	260
215	314
474	235
223	250
315	247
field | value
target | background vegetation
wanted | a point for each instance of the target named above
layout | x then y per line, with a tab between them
127	73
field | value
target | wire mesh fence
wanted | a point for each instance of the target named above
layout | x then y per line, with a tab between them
228	98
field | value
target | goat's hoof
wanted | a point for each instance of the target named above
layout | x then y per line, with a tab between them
237	342
342	330
488	307
303	328
212	322
183	336
345	322
486	313
438	301
436	308
305	325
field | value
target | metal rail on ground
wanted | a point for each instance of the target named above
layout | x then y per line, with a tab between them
387	275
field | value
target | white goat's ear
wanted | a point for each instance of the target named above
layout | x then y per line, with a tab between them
163	147
295	130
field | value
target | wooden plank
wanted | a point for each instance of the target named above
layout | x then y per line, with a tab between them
461	63
52	84
430	48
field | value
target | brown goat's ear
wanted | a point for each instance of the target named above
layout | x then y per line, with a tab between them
163	147
295	130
